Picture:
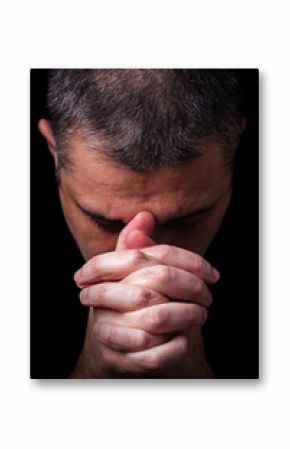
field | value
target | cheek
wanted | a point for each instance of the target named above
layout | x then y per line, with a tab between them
98	242
196	238
90	239
193	239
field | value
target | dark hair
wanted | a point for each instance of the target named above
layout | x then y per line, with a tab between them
145	118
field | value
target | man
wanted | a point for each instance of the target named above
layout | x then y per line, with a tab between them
144	162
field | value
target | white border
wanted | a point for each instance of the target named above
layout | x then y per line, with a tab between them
130	414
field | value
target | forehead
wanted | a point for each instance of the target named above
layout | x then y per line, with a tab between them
119	192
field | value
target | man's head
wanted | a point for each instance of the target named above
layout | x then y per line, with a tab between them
131	140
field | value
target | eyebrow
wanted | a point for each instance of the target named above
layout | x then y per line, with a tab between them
98	217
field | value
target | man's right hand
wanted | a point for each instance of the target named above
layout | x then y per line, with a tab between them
143	301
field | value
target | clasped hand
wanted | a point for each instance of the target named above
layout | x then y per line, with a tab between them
144	298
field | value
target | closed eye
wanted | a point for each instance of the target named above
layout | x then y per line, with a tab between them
189	221
112	227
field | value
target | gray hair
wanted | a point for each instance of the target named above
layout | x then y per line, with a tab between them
145	118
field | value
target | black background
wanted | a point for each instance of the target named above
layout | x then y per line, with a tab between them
57	318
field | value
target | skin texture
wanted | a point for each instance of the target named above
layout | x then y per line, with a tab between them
144	279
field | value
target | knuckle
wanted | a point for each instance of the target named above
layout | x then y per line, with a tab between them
110	335
198	262
197	314
193	313
102	290
142	297
148	272
162	274
198	286
105	332
151	362
157	298
156	318
137	257
165	251
144	340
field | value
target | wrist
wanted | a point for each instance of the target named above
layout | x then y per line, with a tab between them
89	364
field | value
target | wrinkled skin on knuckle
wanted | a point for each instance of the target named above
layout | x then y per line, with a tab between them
137	258
197	314
151	362
101	291
198	287
144	340
155	318
158	273
198	263
105	333
192	313
165	251
158	299
111	335
162	274
142	297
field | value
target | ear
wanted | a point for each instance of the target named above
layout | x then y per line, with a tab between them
45	129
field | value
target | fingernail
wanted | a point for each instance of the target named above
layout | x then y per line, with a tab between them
83	295
215	274
78	275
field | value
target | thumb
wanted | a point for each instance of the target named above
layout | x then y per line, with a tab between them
137	232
